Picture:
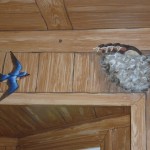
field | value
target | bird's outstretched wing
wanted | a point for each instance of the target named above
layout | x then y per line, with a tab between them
12	87
17	65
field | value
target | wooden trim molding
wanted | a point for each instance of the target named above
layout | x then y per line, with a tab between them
135	100
71	41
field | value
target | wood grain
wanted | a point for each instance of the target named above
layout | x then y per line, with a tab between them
108	140
89	76
109	20
116	99
121	139
36	119
2	58
138	126
114	111
29	62
32	21
86	133
108	14
77	3
55	72
18	6
147	105
8	141
67	41
55	14
118	138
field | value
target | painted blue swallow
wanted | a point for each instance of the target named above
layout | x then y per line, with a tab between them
12	77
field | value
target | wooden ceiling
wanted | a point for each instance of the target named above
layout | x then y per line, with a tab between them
20	121
73	14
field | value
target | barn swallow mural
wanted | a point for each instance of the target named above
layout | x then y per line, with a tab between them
12	77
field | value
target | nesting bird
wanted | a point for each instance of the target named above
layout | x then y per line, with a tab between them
12	77
126	66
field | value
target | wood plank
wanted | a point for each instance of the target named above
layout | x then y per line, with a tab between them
8	141
2	147
76	114
108	14
89	76
77	3
114	111
74	135
30	65
31	21
109	20
121	139
55	14
107	6
138	126
11	148
108	140
148	118
59	72
28	120
116	99
2	58
18	6
67	41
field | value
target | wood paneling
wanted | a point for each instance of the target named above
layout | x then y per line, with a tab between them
8	143
18	6
106	111
54	13
55	72
118	139
29	62
82	136
88	76
109	20
108	14
148	118
30	120
72	41
108	144
121	139
138	125
21	22
2	58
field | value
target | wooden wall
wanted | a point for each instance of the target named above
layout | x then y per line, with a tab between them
8	143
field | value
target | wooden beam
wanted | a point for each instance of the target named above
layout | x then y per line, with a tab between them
138	125
71	41
54	13
115	99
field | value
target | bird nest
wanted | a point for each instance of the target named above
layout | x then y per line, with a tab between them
126	66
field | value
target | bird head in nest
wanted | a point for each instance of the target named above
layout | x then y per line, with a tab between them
126	66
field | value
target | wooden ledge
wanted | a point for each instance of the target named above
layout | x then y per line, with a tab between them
71	41
116	99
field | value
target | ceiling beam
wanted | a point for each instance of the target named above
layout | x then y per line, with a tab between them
71	41
54	13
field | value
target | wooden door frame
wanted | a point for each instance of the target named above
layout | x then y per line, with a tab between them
135	100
